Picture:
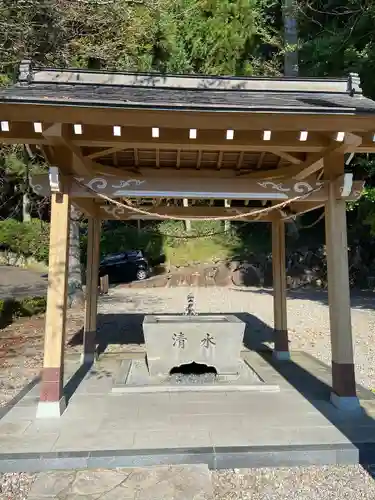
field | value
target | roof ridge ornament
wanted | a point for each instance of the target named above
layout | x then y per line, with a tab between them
25	74
354	84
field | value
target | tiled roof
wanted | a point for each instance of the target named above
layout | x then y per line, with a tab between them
153	91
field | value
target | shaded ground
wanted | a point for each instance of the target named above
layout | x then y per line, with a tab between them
18	282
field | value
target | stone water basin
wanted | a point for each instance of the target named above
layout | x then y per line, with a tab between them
173	340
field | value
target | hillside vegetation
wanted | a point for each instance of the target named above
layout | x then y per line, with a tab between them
220	37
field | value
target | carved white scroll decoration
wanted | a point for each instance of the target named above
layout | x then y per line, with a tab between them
274	185
127	183
94	184
305	187
113	210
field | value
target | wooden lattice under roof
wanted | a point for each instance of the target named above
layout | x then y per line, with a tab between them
191	159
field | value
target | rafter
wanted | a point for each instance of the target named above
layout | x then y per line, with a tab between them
199	159
260	160
103	152
219	160
240	160
287	156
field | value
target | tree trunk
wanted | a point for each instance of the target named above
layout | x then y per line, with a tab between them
26	217
76	296
290	39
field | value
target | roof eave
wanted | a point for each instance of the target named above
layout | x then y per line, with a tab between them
183	107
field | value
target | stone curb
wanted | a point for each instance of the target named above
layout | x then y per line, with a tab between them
214	457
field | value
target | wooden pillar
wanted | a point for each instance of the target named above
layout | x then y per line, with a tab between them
281	350
343	373
92	282
52	402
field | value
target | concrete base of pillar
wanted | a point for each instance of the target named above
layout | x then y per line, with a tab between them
281	355
345	403
51	409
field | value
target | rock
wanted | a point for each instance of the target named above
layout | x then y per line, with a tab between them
222	276
246	275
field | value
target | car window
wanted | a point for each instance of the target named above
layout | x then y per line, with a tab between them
135	254
113	259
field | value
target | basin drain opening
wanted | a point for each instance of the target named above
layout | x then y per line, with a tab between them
193	369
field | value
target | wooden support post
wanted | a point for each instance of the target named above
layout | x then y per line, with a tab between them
281	350
343	373
52	402
92	290
104	284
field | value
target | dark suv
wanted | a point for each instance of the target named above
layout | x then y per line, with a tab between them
125	266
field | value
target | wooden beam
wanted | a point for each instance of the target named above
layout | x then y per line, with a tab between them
102	153
315	163
287	156
199	159
56	137
240	160
260	160
101	136
277	173
87	206
193	188
346	121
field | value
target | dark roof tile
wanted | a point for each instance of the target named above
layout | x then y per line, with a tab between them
77	88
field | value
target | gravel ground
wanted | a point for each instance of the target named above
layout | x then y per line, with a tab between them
15	486
298	483
308	322
308	318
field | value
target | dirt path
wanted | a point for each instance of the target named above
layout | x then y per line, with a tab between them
17	282
21	352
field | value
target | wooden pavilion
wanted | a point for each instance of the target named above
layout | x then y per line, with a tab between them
129	146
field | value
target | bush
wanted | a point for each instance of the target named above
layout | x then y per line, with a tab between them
31	306
27	239
26	307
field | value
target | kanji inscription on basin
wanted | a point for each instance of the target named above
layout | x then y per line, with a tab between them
173	340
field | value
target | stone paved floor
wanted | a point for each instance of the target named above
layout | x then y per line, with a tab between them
97	419
191	482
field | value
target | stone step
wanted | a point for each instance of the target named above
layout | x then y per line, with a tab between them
185	482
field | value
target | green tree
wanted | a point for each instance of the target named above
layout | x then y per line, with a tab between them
336	38
219	37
